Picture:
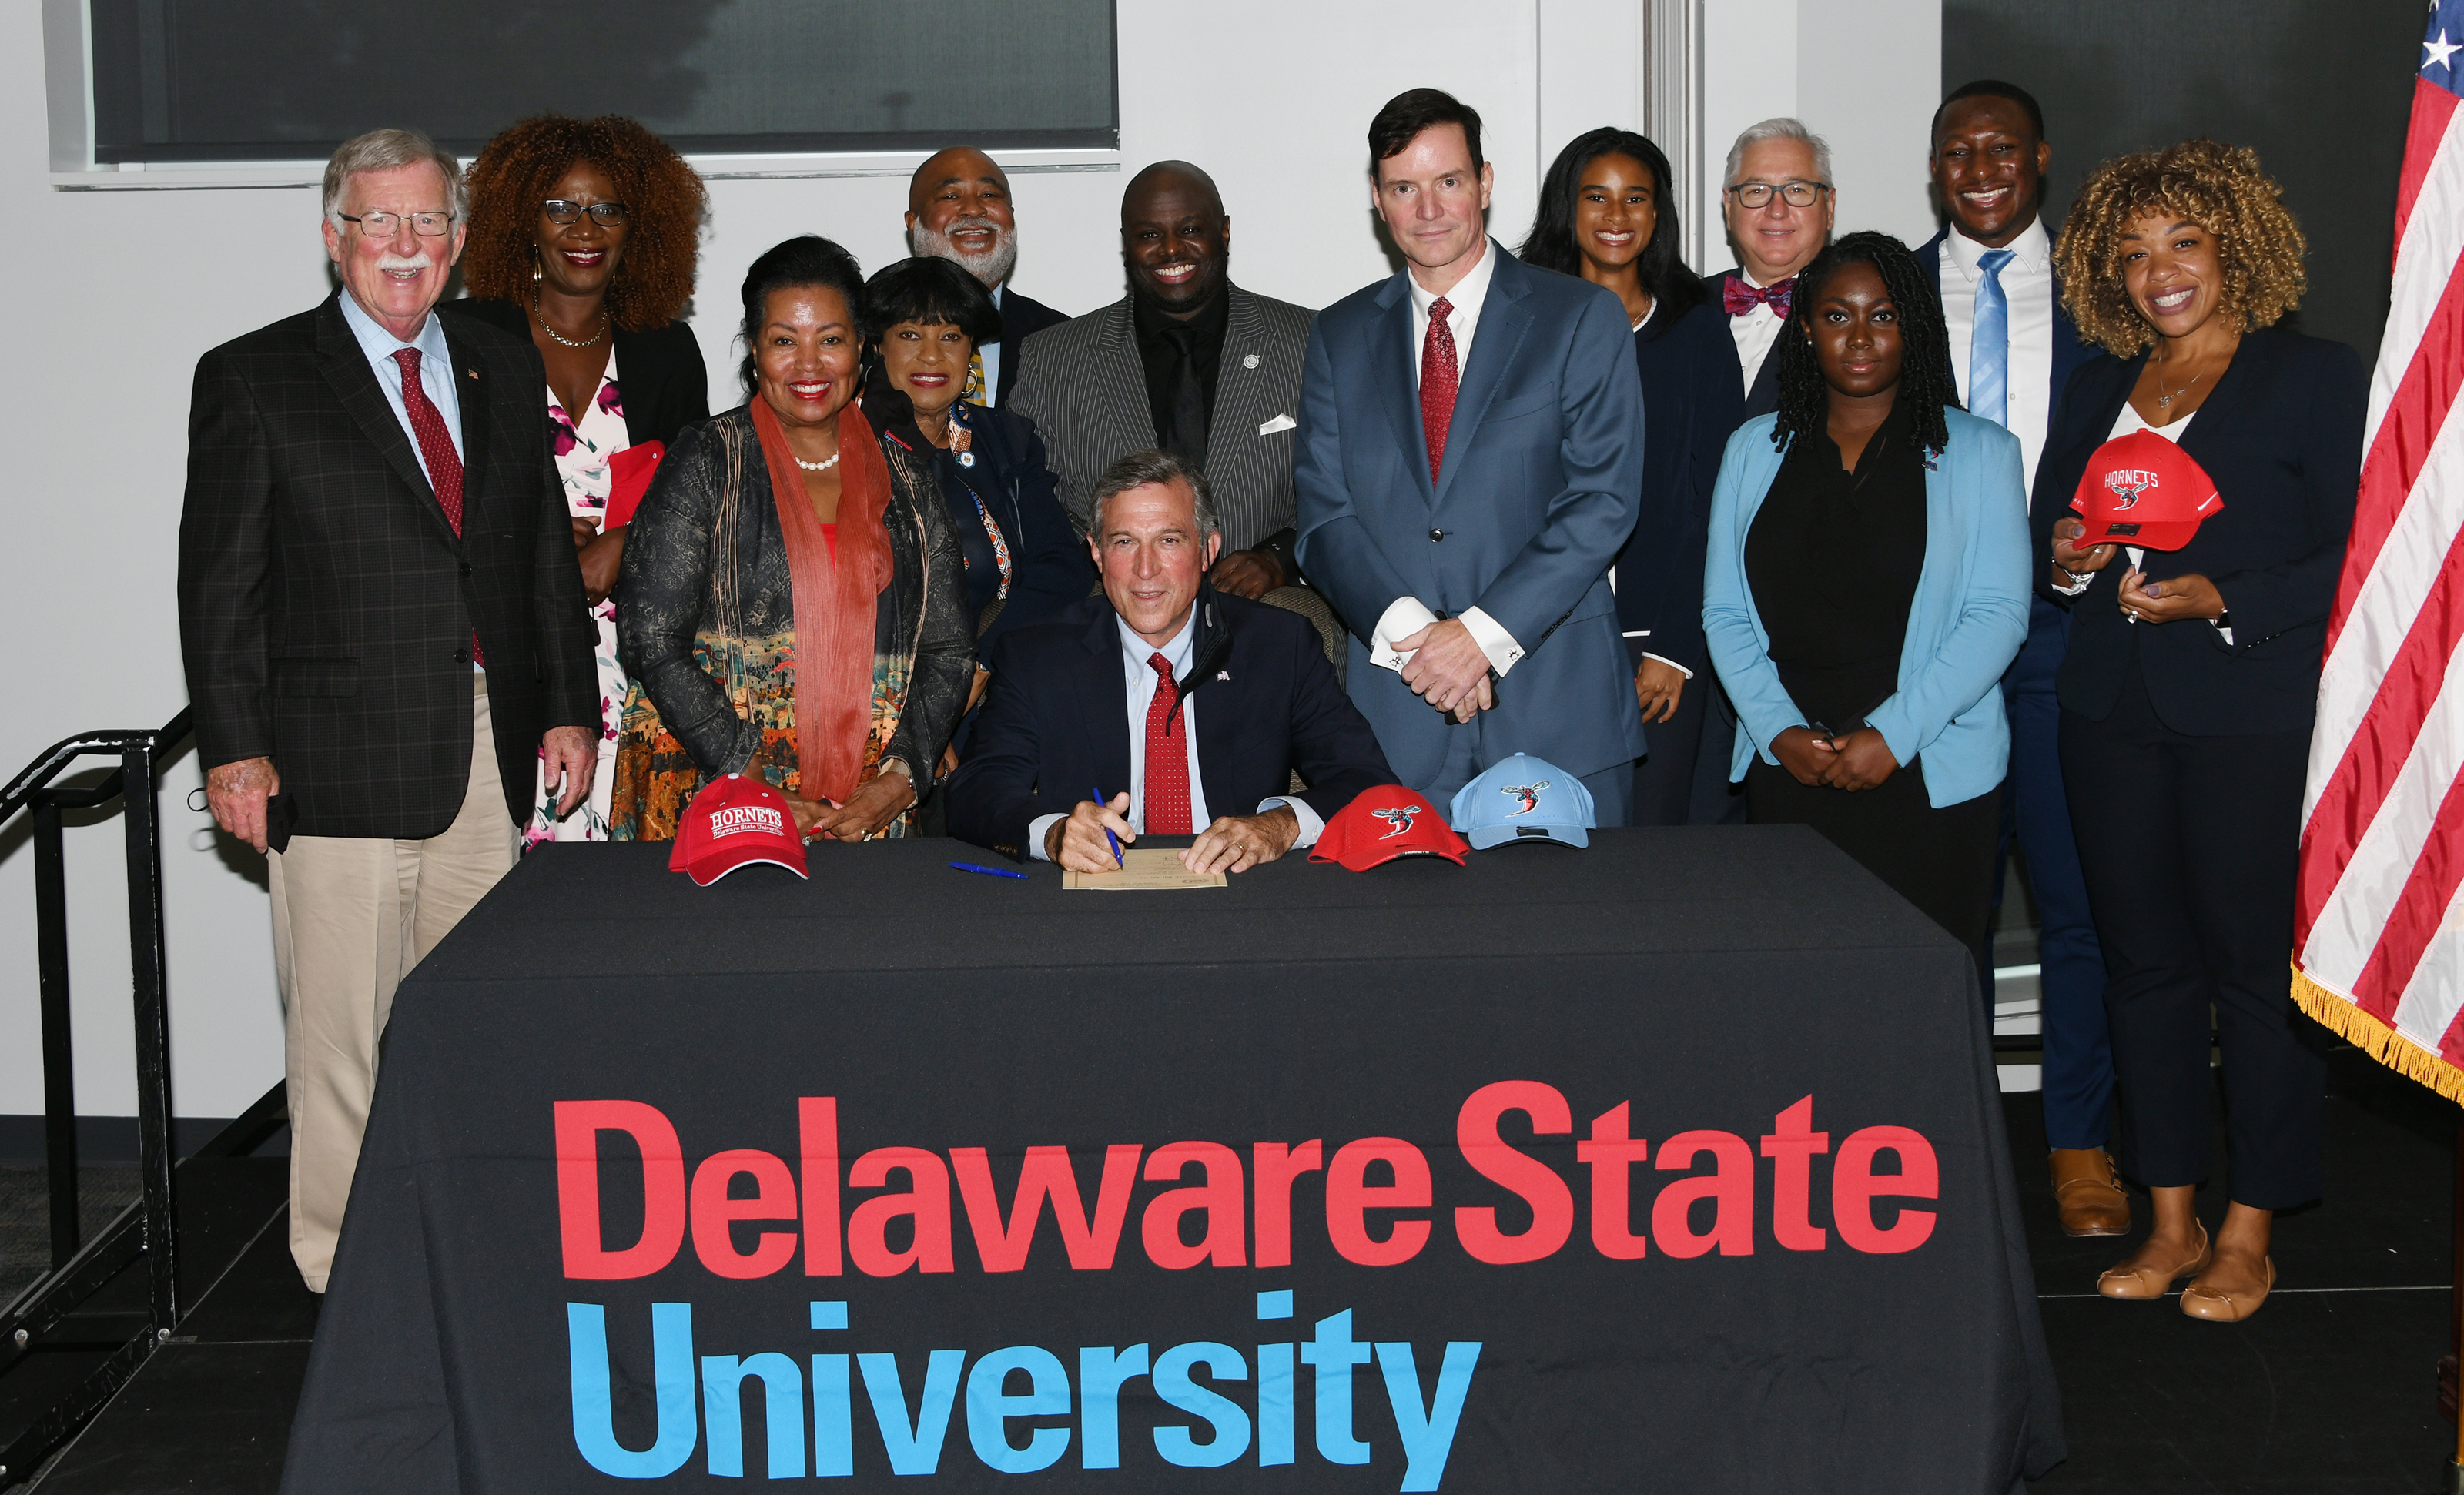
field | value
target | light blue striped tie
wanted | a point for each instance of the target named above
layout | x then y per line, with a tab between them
1989	352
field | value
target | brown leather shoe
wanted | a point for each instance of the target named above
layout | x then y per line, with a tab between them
2200	1301
2154	1282
2090	1199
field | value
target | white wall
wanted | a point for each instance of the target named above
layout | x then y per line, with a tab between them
119	292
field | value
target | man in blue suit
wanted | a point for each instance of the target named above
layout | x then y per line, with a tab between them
1470	464
1199	705
2014	349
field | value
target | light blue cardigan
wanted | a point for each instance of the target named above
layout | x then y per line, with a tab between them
1965	624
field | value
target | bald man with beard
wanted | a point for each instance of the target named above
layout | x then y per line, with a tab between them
1188	363
958	208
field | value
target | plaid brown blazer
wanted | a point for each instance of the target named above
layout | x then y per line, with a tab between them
327	607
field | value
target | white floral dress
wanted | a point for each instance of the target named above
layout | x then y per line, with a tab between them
583	451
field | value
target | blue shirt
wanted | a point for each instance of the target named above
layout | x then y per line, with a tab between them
435	374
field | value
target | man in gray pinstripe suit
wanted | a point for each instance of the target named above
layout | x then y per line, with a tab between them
1186	362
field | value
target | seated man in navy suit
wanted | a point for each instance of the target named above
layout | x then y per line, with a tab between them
1162	705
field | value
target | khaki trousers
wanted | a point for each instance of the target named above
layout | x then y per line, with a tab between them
351	917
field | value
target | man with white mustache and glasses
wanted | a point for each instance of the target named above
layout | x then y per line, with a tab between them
959	209
381	619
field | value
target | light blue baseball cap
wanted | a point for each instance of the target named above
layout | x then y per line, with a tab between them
1523	799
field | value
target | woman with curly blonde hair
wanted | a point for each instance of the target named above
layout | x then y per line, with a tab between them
583	235
2189	685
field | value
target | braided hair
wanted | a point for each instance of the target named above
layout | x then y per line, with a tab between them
1928	385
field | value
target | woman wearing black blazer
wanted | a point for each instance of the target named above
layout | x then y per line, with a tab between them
1608	213
922	319
2188	689
583	240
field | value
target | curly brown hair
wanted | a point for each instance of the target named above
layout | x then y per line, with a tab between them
2219	188
512	174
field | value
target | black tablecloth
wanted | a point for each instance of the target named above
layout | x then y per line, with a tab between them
1713	995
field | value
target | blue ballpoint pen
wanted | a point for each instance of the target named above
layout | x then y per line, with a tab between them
988	871
1098	793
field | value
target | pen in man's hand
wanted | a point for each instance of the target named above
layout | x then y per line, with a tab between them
1100	801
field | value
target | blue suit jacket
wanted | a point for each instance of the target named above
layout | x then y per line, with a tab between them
2070	350
1692	404
1050	565
1542	480
1965	624
1054	721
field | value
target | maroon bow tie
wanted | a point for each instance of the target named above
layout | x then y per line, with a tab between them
1739	295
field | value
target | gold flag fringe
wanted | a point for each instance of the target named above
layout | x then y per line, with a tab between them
2348	1020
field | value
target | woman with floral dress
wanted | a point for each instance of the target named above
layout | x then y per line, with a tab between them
584	238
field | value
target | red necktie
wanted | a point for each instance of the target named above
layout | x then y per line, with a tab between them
436	447
1166	784
1438	378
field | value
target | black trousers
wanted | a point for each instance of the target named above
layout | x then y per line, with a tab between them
2190	846
1941	860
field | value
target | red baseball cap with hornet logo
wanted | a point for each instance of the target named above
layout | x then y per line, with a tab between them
1383	824
2143	490
733	822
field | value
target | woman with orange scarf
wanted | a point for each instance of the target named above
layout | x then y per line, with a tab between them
795	603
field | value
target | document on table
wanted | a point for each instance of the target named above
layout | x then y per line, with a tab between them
1144	869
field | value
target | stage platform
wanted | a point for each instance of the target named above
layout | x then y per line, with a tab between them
2329	1390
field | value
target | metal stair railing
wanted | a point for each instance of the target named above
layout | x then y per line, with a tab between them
144	1229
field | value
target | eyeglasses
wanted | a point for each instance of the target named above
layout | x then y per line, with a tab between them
384	224
607	216
1797	195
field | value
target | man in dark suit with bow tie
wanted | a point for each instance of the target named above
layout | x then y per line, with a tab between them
1778	203
384	629
2013	348
1183	708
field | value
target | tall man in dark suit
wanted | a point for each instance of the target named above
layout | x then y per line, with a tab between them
1189	362
1778	203
1470	463
2013	348
1199	704
384	629
959	209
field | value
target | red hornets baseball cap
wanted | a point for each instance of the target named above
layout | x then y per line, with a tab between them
1383	824
2143	490
733	822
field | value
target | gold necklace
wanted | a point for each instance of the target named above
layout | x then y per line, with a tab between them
541	319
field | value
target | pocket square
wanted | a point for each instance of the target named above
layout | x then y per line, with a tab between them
1278	423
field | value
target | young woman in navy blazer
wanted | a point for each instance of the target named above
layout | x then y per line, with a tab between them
1866	584
2191	683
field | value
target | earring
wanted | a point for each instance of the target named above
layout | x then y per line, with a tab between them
538	272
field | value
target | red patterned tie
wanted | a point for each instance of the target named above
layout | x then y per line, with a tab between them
1167	784
436	447
1438	378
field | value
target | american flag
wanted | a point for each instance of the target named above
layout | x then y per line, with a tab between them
2378	926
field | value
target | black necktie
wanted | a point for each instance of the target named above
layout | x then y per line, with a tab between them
1187	438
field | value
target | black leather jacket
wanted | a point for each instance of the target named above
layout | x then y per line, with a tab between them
709	529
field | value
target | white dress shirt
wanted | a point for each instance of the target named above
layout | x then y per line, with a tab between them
991	354
435	374
1142	681
1755	333
436	377
1407	615
2028	287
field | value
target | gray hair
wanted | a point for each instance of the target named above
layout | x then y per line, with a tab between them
388	150
1139	470
1779	128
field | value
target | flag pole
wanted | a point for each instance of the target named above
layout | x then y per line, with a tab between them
2452	1372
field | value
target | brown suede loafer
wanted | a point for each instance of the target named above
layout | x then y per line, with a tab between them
2153	1282
2087	1193
2200	1301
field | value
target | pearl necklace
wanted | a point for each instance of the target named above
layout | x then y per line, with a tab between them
822	466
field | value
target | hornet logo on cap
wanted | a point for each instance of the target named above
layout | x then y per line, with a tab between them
1400	819
2128	485
1525	795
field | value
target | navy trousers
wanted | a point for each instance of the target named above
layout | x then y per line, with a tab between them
2079	1043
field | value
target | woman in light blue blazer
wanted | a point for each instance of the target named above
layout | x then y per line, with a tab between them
1866	586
